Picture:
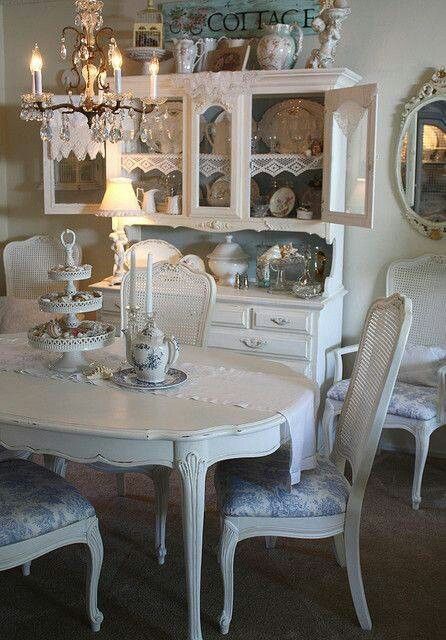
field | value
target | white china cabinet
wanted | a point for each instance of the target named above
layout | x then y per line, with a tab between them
225	142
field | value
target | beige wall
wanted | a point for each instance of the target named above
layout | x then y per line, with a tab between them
394	43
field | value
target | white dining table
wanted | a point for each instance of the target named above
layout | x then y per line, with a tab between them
87	423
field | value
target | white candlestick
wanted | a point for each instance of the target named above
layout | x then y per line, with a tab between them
149	284
118	86
132	292
153	86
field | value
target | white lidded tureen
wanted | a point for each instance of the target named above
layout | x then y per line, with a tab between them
226	260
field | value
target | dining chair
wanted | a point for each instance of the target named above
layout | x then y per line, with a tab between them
26	264
183	301
40	512
253	494
161	251
416	408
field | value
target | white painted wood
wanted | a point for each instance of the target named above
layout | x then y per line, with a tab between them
356	442
423	280
88	424
336	152
83	532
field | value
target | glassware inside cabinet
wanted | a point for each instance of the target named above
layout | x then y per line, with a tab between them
286	156
152	156
215	146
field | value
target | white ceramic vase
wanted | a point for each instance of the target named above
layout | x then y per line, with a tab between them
280	46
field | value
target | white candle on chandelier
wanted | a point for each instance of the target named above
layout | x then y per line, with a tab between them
132	288
116	61
154	67
35	67
149	284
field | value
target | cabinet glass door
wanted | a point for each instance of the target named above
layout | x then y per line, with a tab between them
215	148
349	155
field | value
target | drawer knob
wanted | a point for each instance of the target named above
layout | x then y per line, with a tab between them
254	343
280	321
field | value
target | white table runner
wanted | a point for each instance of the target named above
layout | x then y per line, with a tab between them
296	399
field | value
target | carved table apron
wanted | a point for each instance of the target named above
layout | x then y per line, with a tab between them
86	423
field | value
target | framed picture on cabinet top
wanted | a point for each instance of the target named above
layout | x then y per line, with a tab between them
227	58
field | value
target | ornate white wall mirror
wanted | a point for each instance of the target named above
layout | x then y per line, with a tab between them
421	158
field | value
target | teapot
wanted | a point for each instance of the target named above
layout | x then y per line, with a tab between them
147	199
149	351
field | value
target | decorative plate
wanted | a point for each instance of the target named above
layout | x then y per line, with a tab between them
282	202
220	193
292	125
127	378
146	53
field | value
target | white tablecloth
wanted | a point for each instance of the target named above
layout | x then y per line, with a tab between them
296	398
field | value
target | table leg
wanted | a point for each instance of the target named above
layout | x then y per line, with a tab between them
192	466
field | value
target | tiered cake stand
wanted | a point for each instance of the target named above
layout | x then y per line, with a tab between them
69	335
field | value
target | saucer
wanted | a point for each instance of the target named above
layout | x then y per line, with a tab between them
127	378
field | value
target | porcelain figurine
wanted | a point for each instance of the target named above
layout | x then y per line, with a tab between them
279	48
187	54
150	352
327	25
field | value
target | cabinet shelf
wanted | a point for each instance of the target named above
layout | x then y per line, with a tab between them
163	162
276	163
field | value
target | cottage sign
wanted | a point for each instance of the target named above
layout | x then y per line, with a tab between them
234	18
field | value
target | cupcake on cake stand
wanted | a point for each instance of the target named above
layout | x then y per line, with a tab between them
69	335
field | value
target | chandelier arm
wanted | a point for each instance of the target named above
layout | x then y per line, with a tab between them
65	30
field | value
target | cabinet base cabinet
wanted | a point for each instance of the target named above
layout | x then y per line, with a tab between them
298	333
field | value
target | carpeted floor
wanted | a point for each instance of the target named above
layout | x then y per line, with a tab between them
296	591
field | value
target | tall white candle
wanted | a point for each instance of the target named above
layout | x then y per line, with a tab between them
153	87
149	284
132	292
118	85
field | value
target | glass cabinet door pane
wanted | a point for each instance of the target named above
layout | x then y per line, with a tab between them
215	146
350	119
79	181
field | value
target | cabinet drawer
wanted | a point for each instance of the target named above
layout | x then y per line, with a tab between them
232	315
288	346
270	318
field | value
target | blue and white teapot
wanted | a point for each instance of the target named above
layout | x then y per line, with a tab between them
150	352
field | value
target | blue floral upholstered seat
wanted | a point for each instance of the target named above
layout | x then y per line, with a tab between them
35	501
259	487
408	400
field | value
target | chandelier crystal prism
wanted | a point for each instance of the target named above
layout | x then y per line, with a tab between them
94	51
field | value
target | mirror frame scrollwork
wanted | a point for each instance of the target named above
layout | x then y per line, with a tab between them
431	91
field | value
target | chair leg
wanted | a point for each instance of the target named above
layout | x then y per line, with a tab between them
161	477
26	569
228	543
56	464
270	542
120	484
94	542
351	534
422	439
327	430
339	549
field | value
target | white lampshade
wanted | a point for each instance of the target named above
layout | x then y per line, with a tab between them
119	199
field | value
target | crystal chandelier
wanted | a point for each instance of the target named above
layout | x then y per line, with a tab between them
95	49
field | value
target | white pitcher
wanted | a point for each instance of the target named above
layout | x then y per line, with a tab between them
187	54
218	134
147	199
173	206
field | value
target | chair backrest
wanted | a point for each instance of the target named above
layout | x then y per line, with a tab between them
381	348
161	251
27	263
423	280
183	301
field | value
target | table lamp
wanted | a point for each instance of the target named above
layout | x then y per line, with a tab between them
119	201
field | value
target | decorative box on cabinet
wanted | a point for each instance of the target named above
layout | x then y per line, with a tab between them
275	326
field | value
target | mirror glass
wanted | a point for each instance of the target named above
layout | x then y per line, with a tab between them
422	162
